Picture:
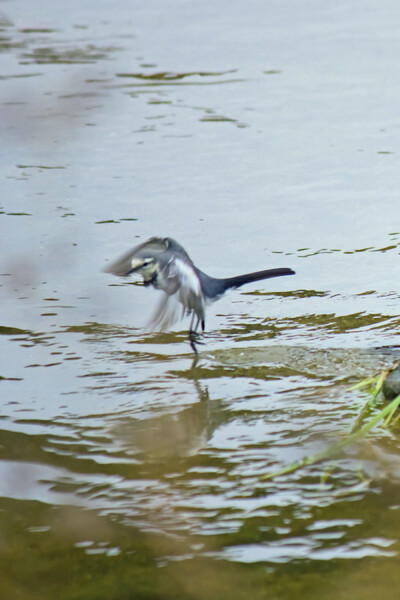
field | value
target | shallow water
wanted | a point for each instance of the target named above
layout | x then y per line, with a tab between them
258	136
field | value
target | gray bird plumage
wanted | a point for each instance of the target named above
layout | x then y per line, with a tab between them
165	264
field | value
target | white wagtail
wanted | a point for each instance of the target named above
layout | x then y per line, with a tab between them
165	265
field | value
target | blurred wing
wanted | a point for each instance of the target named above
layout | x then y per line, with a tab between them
168	312
123	264
183	294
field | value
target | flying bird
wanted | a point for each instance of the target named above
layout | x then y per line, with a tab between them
165	264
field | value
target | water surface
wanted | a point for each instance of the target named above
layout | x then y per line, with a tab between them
258	136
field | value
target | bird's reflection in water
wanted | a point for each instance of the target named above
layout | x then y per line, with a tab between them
175	434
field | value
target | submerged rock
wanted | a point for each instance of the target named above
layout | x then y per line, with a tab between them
391	386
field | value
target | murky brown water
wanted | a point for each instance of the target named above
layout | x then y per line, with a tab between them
258	136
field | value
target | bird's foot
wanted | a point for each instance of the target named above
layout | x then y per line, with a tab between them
194	339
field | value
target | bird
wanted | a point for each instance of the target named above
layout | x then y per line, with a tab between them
164	264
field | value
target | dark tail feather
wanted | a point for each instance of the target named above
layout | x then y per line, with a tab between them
235	282
213	288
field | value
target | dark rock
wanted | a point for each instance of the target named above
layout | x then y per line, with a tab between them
391	387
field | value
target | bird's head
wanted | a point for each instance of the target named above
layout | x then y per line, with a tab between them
147	266
146	259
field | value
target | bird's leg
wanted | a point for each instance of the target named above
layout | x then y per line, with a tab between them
193	334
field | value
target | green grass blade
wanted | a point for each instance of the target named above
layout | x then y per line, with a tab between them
335	449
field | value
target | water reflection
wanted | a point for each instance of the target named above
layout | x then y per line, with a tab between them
178	434
88	54
168	77
184	451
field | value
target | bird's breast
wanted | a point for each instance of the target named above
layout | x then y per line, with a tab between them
150	273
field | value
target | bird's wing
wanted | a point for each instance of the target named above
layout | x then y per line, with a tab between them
123	265
183	294
169	311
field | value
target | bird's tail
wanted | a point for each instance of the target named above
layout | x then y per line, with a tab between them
235	282
213	287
